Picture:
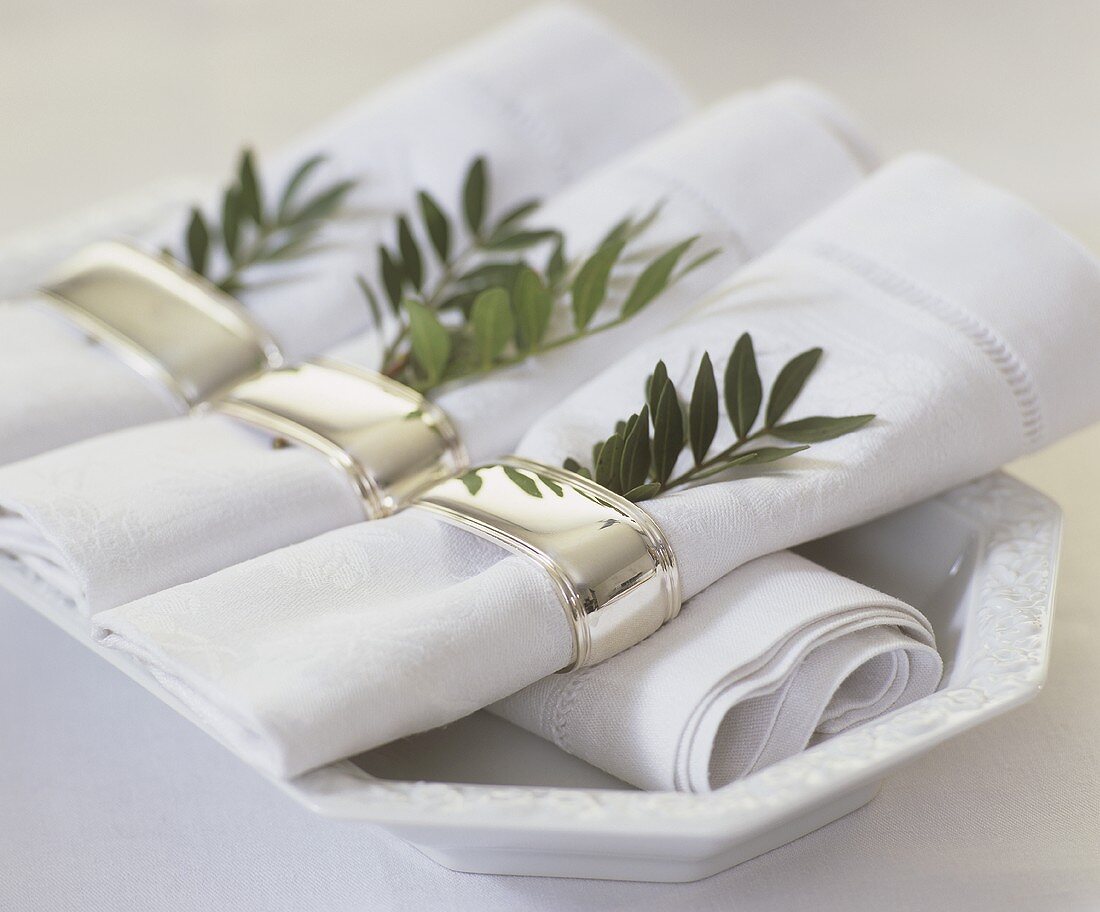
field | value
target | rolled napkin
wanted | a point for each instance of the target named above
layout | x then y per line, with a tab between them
545	98
752	668
111	519
965	321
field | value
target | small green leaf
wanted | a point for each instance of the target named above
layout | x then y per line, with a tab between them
552	485
296	180
643	492
472	481
609	463
654	278
742	387
700	260
249	183
393	278
555	266
463	301
617	233
819	428
291	246
324	203
751	457
410	253
493	325
372	302
623	428
474	196
533	305
668	432
464	359
519	239
489	275
573	466
437	224
198	242
638	227
788	384
590	285
654	385
431	343
597	448
636	457
231	221
772	454
517	214
523	481
703	410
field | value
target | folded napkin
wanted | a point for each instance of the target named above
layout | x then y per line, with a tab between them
545	99
756	665
752	668
958	315
129	513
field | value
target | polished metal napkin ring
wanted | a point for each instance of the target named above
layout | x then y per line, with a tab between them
388	438
610	563
167	323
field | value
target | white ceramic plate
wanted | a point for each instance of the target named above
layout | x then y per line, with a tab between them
484	796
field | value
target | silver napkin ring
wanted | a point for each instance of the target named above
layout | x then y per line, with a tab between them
389	439
611	565
167	323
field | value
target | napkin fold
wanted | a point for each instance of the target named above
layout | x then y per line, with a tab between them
958	315
545	98
133	512
754	667
773	654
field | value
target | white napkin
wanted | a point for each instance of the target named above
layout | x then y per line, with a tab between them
775	652
546	98
961	317
129	513
750	670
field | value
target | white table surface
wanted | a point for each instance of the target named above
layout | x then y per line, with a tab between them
110	802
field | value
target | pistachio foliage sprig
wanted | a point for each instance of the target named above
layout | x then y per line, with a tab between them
492	253
249	231
640	458
491	305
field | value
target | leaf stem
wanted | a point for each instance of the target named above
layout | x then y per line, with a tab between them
391	364
729	451
520	357
451	272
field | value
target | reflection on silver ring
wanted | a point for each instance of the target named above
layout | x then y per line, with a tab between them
389	439
170	325
611	565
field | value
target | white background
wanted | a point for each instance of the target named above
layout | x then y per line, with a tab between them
107	801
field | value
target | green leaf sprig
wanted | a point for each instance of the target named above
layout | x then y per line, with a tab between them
639	459
249	231
490	305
